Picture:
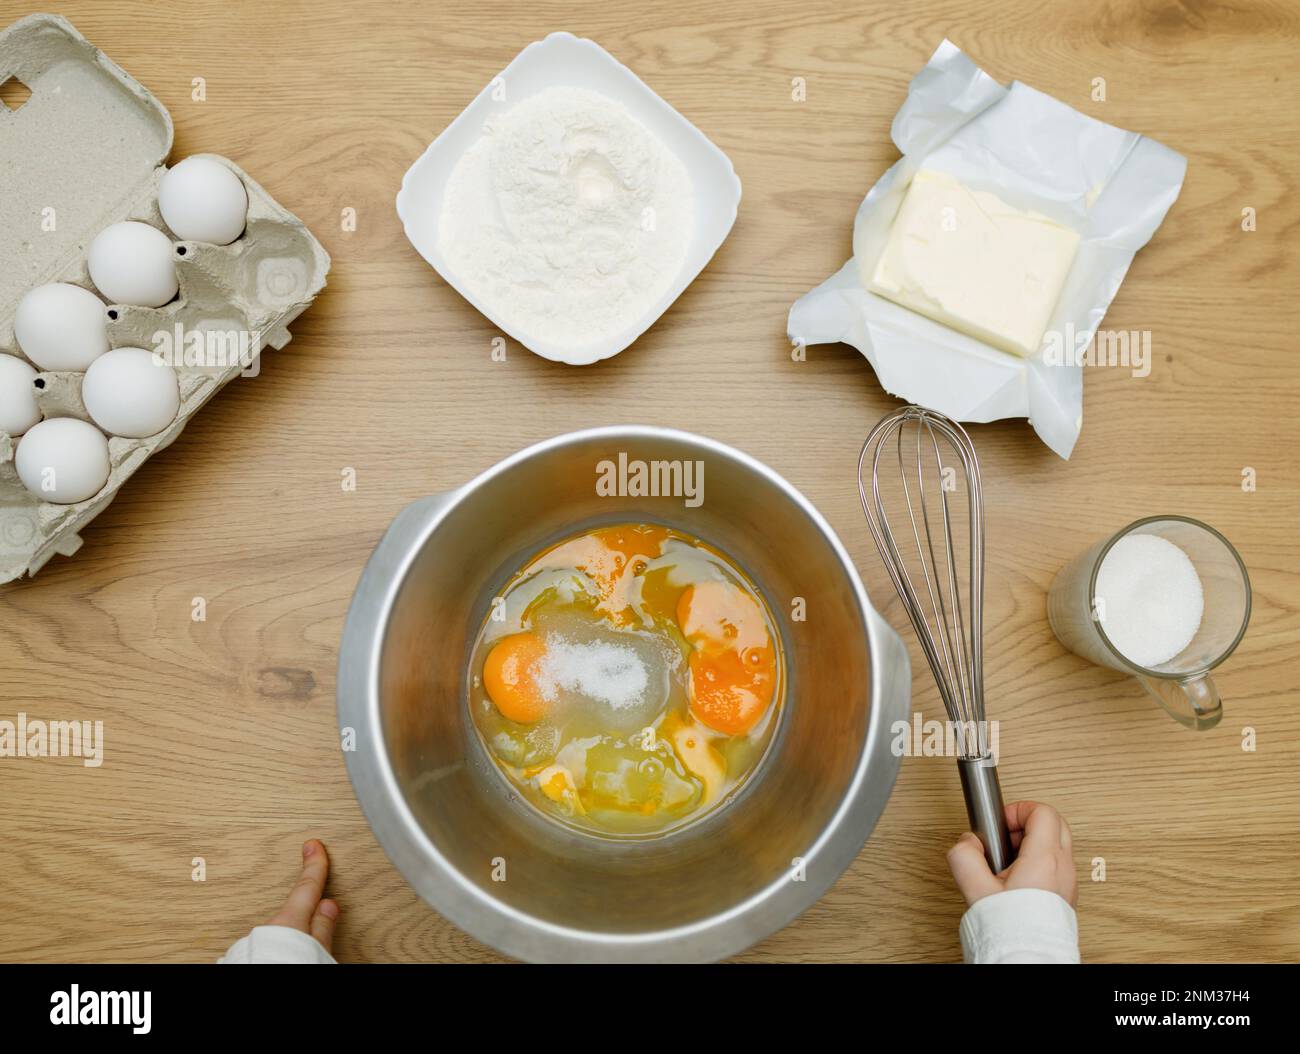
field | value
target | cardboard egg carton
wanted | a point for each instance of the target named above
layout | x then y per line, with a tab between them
87	150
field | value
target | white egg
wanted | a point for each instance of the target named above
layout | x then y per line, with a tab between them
203	201
128	393
133	263
18	409
63	460
61	326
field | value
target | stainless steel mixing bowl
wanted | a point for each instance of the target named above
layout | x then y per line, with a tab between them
524	883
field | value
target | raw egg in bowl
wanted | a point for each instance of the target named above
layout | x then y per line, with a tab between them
628	680
619	725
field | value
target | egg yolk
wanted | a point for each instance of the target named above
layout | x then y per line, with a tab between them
610	558
733	662
556	782
510	677
718	616
697	754
730	693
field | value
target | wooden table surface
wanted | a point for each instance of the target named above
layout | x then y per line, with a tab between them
221	741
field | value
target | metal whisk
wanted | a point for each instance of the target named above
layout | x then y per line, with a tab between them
932	451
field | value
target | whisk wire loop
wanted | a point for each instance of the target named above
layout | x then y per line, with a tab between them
947	618
949	624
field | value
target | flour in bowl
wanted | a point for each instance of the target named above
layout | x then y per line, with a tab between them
567	219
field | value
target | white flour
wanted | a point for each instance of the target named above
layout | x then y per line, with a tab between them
568	219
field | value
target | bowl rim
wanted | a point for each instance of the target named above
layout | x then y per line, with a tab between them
528	937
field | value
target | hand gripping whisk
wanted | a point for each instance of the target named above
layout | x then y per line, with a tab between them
935	458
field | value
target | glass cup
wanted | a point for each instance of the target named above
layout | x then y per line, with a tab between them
1182	685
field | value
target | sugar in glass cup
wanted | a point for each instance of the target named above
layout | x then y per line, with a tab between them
1181	683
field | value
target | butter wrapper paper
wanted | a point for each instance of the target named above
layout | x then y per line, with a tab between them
1112	186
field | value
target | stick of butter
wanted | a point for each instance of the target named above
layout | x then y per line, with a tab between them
969	260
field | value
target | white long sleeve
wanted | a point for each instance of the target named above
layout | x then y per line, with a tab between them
276	944
1020	926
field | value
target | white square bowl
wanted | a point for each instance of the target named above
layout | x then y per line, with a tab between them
563	60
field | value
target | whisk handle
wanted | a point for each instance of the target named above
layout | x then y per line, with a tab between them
988	816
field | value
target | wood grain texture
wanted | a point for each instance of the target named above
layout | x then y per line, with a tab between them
220	735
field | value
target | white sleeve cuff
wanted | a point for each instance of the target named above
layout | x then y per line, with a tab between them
276	944
1020	926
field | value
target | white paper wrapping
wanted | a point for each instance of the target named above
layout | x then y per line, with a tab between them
1034	152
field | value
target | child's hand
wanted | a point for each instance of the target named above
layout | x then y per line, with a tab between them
305	910
1044	860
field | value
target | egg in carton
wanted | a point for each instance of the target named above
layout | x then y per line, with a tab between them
84	152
